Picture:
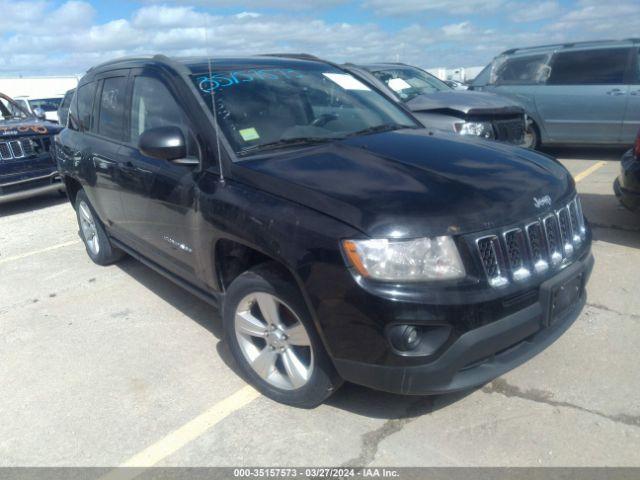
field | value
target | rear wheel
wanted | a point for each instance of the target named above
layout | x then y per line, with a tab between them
93	235
273	340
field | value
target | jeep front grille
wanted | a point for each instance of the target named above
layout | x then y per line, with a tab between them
517	253
23	148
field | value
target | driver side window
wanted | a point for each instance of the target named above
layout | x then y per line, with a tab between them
153	106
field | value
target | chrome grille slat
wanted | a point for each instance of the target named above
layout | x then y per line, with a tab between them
27	147
16	149
5	151
517	253
488	247
537	247
22	148
552	235
583	230
566	236
575	225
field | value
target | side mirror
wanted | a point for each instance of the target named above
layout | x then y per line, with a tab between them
39	113
164	143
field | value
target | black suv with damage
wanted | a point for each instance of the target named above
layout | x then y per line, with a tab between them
27	167
340	240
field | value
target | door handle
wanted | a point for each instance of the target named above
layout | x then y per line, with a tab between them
129	166
635	93
616	92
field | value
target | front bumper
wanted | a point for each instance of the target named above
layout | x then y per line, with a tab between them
30	187
481	354
627	185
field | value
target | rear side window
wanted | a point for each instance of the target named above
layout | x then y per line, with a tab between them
521	70
85	96
589	67
153	106
112	102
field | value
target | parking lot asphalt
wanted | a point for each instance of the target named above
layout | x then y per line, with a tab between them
107	366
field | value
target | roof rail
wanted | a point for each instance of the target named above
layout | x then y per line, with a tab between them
568	45
300	56
122	59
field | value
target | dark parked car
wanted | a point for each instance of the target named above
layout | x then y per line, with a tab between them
440	107
27	167
627	185
339	239
63	110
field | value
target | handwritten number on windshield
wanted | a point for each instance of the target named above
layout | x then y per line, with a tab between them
229	79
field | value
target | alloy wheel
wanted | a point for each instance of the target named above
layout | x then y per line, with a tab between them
89	230
274	341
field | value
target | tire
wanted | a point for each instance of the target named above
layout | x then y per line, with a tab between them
532	136
286	361
92	233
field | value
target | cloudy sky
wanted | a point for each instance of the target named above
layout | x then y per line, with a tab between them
48	37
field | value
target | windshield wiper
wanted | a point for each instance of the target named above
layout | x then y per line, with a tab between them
288	142
385	127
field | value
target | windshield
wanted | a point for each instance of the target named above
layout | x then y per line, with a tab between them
9	108
409	82
262	108
46	104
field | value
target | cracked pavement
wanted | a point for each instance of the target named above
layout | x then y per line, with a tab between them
99	363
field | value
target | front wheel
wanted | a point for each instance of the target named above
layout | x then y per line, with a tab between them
274	342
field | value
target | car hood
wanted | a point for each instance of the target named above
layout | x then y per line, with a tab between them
408	184
27	127
465	102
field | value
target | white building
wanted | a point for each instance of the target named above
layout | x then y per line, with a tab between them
461	74
37	87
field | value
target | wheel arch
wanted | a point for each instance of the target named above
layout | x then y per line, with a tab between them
72	186
232	257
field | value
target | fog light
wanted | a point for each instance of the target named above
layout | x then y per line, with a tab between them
404	337
418	340
412	336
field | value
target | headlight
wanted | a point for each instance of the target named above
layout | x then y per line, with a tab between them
478	129
405	260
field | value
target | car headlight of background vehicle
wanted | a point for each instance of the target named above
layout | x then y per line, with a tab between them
478	129
405	260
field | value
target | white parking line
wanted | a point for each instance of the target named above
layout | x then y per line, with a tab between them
37	252
177	439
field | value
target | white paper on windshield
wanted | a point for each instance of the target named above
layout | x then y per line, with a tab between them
346	81
398	84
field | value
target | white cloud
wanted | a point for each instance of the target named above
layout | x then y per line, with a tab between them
73	13
286	5
451	7
457	29
595	19
38	15
186	30
18	15
531	12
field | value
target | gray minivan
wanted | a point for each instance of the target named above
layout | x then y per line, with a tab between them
574	93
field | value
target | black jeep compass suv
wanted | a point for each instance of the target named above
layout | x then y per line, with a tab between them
340	240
